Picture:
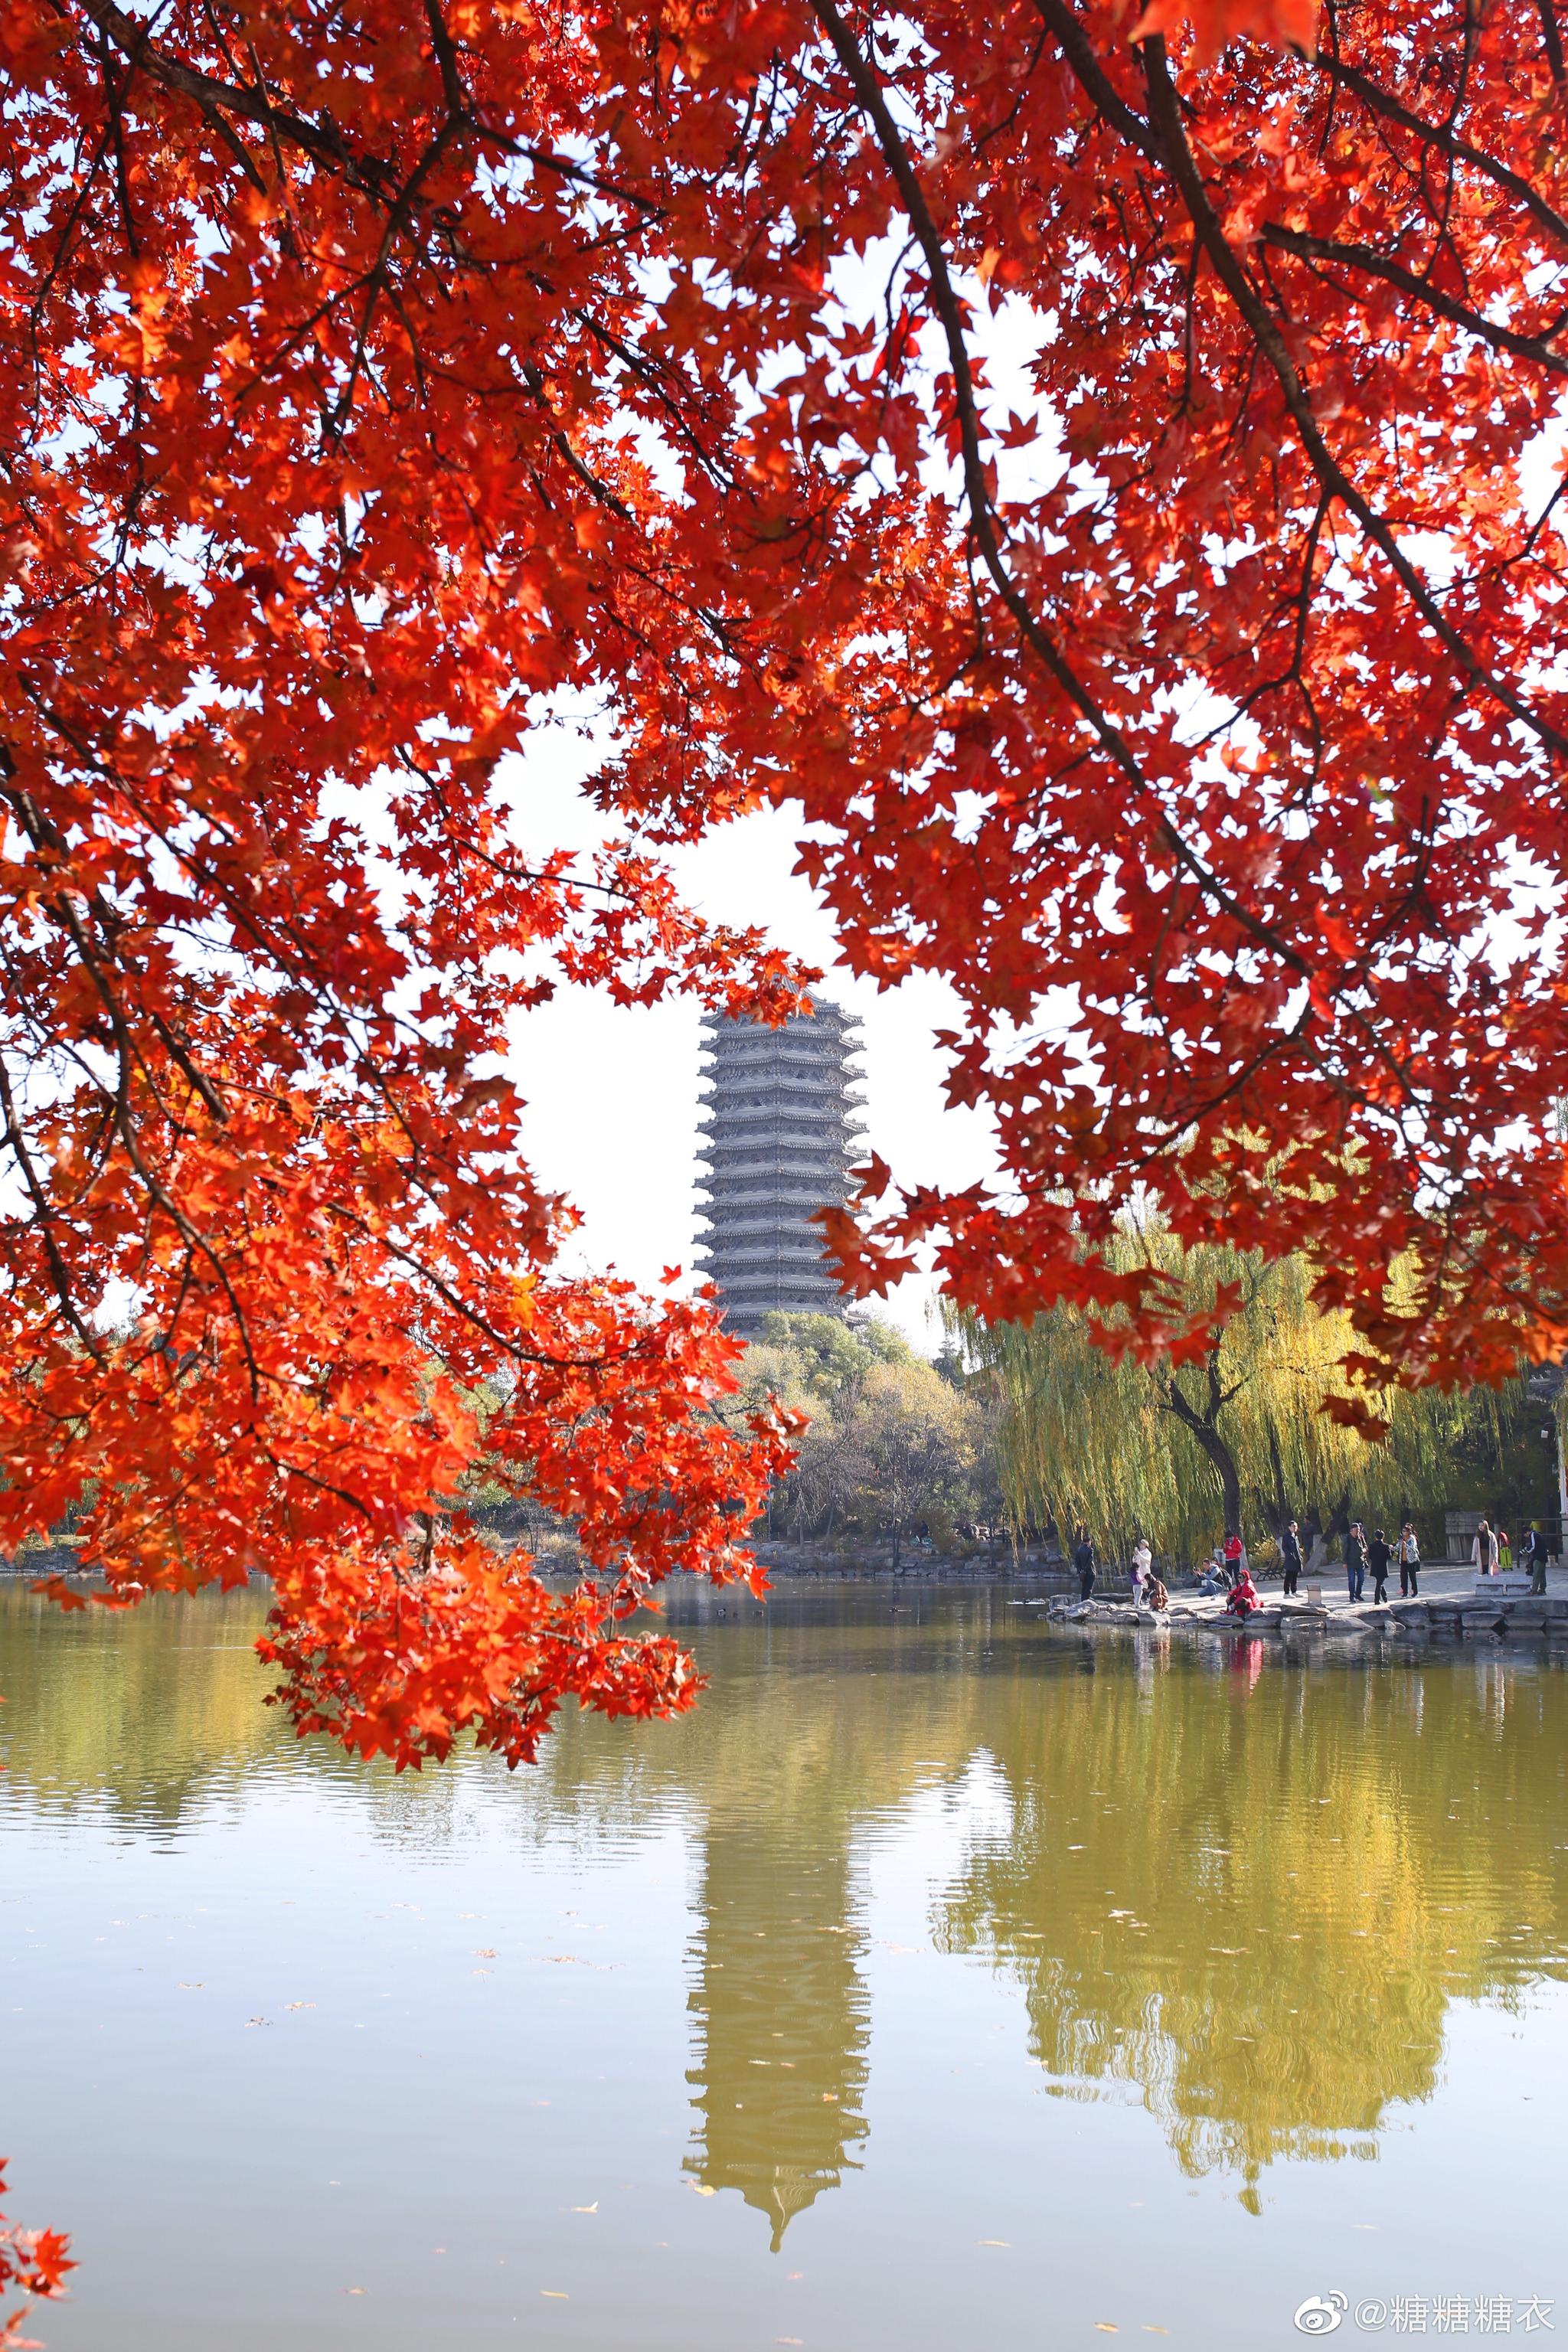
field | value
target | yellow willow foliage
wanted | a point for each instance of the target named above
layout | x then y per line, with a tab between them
1095	1440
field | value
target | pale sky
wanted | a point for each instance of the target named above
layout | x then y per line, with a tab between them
611	1093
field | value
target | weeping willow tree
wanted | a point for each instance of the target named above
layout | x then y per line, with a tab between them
1235	1439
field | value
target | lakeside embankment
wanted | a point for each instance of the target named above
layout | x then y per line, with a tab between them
1452	1603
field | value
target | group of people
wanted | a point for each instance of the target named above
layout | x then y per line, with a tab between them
1147	1591
1373	1556
1229	1571
1493	1554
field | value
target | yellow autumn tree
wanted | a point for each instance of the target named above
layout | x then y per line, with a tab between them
1237	1438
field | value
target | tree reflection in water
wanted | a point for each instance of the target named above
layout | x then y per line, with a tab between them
1247	1898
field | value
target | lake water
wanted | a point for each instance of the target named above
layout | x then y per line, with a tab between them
941	1982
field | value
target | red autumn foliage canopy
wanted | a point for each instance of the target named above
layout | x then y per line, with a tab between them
33	2262
379	379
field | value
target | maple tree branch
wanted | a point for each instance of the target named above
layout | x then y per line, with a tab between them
446	57
1381	102
319	139
15	1139
950	315
1093	80
1366	258
1552	40
1166	113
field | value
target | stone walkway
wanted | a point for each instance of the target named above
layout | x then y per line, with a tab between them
1448	1602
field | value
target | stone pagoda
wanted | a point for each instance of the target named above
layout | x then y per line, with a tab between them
780	1134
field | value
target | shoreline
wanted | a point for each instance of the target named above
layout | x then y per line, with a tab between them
1402	1625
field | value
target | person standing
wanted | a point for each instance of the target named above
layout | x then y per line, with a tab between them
1379	1552
1138	1573
1483	1551
1290	1554
1234	1556
1409	1552
1083	1560
1504	1552
1535	1555
1355	1559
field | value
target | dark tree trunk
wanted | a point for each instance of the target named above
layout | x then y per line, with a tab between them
1203	1428
1281	1512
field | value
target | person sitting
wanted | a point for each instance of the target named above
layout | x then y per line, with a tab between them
1242	1598
1212	1577
1155	1596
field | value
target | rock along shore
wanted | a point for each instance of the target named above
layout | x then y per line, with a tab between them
1453	1615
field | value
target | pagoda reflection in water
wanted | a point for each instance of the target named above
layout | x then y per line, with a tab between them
779	2065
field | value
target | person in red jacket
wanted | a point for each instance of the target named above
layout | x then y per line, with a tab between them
1242	1598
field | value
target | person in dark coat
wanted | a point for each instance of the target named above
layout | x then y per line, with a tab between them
1291	1555
1083	1560
1533	1553
1355	1559
1379	1552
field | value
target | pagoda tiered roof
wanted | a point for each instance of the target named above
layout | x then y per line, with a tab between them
779	1134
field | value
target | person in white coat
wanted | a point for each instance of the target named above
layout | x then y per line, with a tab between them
1483	1551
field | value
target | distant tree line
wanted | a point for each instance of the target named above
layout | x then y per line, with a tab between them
899	1450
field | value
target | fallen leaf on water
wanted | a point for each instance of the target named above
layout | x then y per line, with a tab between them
486	1952
482	1972
353	2290
256	2020
586	2209
830	2098
193	1988
555	2294
299	2004
1107	2328
703	2190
